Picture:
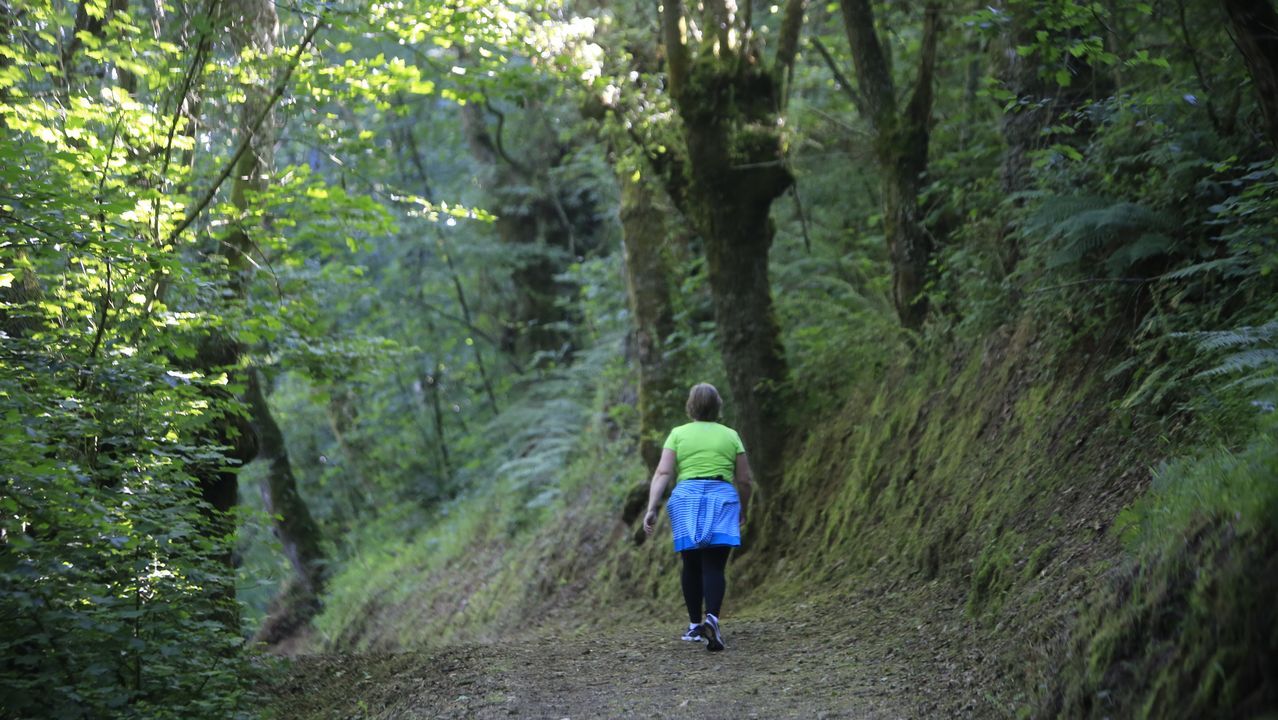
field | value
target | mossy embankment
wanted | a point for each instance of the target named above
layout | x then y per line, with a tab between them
998	499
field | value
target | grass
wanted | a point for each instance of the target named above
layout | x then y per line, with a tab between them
1190	629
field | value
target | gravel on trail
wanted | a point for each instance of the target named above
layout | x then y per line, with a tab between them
853	658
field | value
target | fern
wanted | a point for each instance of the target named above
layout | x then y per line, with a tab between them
1243	361
544	428
1080	227
1239	337
1254	356
1146	246
1231	267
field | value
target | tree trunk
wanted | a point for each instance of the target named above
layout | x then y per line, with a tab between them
256	28
910	245
749	336
1041	101
643	232
297	531
24	289
901	142
729	103
1255	29
343	417
219	481
429	384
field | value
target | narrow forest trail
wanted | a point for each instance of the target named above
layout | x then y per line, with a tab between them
884	657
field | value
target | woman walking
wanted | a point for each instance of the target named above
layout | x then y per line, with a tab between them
705	509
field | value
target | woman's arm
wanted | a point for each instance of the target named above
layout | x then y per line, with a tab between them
660	478
744	482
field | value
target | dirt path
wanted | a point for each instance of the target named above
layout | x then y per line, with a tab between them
844	660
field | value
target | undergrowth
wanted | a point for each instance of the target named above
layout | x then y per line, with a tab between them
990	471
1039	456
1190	628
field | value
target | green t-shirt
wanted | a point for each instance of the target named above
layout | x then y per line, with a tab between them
705	450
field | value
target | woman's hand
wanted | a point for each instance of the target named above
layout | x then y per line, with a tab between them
665	471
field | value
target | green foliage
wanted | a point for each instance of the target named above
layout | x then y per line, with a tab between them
434	300
109	571
117	384
113	575
1250	356
1221	486
1089	231
111	596
994	573
1193	617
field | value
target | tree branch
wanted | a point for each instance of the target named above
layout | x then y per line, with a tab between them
100	331
919	111
872	71
188	80
444	314
500	147
839	77
666	164
676	51
803	218
788	46
245	141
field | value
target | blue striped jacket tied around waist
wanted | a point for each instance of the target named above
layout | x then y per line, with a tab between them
704	513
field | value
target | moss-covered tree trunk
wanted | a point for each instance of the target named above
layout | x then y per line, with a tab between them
298	533
643	234
901	138
732	168
1255	30
737	248
343	421
254	27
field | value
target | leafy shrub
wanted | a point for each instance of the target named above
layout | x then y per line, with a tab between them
114	587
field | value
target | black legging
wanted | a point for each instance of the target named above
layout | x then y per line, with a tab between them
703	578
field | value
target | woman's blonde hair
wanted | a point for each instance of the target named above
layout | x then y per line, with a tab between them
704	402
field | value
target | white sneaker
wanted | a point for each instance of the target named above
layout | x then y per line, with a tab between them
693	633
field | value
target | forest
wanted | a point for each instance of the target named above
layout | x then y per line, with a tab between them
339	340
